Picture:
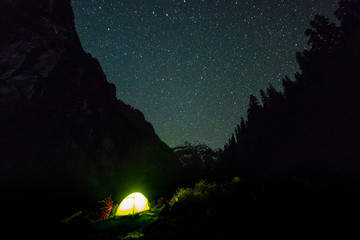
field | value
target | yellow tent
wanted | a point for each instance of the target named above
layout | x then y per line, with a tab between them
132	204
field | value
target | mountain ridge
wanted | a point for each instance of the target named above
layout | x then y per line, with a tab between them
60	120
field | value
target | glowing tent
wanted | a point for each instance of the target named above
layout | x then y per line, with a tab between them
132	204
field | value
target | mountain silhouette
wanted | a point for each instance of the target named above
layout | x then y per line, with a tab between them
63	133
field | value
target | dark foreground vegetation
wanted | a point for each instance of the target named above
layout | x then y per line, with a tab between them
233	209
296	157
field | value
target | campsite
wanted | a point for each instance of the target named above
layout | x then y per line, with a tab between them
190	212
179	119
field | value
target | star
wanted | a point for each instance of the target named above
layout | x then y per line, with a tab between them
195	63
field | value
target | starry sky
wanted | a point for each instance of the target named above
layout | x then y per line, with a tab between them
190	65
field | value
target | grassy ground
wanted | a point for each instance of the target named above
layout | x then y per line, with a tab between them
125	227
81	226
224	210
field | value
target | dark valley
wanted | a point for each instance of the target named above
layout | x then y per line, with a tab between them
68	145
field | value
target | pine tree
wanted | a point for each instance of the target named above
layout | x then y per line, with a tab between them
348	14
254	107
238	133
264	98
275	98
289	87
243	125
232	141
323	35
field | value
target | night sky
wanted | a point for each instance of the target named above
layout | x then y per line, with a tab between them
190	66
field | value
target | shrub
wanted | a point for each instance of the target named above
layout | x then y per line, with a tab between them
203	191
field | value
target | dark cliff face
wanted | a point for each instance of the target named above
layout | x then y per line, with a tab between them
42	59
60	121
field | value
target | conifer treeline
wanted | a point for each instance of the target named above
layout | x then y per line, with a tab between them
313	126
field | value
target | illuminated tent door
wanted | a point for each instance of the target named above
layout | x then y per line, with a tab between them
132	204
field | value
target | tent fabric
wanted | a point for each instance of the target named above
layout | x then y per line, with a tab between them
132	204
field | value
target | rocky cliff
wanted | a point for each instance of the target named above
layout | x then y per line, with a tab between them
61	125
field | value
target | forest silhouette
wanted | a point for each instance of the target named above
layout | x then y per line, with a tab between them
296	155
311	129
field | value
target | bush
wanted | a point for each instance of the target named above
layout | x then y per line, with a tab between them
202	192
